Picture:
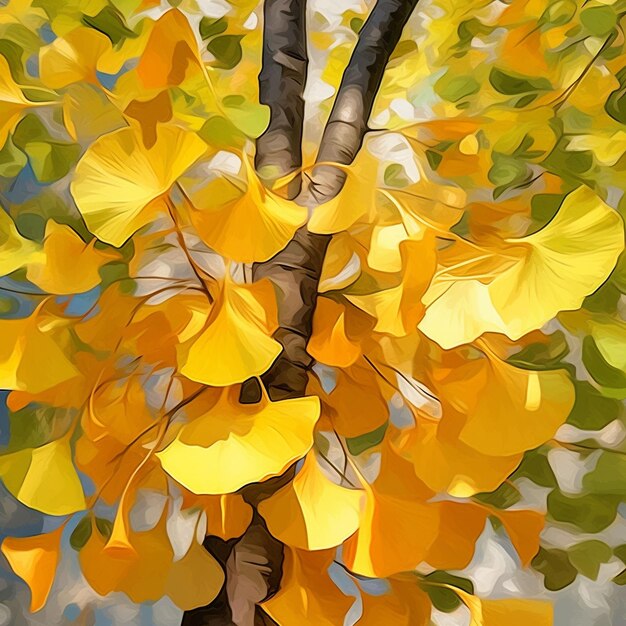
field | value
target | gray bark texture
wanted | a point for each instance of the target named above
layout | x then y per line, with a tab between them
253	562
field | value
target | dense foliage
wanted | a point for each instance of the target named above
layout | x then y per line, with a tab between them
468	334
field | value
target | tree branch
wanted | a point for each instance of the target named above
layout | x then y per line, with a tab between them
281	87
295	270
347	125
253	563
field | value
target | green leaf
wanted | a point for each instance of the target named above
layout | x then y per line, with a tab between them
445	599
620	579
503	497
227	50
544	206
249	117
587	557
557	570
608	476
357	445
111	23
453	88
560	12
51	161
604	300
616	103
599	21
82	532
507	172
104	526
210	27
592	411
603	373
12	160
620	552
220	132
356	24
513	85
394	175
434	159
536	467
590	512
542	356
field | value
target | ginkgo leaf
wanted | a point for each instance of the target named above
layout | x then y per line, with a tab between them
607	149
524	529
358	391
236	343
68	264
15	251
307	594
446	465
35	559
171	53
549	271
72	58
44	478
523	408
330	342
118	179
36	364
228	445
242	220
311	512
12	101
147	571
405	604
516	612
355	200
384	253
228	515
398	309
386	542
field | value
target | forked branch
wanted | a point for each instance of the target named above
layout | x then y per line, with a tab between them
253	563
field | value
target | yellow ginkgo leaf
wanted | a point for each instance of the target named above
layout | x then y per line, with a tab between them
396	504
44	478
15	251
236	343
118	179
330	342
72	58
228	515
398	309
549	271
148	571
34	560
355	200
607	149
311	512
405	604
32	359
242	220
446	465
12	101
506	410
512	612
68	265
171	53
227	445
524	529
308	595
384	253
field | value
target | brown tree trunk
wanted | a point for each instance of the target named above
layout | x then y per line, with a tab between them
253	563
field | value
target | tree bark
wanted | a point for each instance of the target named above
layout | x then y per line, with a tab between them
253	563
